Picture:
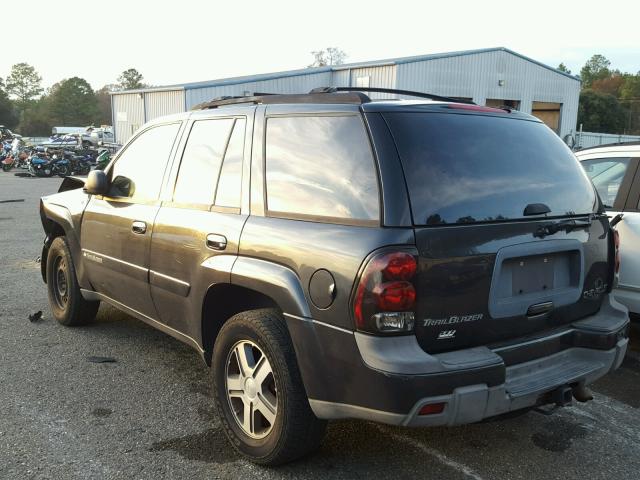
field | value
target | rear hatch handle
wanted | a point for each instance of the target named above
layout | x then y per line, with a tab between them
539	310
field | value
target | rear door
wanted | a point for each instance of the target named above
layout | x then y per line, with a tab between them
484	190
201	219
117	227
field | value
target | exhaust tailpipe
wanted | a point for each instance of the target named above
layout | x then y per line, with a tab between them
582	394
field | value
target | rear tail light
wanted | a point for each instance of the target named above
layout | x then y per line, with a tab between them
385	296
616	243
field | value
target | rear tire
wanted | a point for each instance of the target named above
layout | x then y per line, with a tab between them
67	304
293	430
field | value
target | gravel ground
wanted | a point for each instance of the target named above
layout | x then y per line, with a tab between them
149	415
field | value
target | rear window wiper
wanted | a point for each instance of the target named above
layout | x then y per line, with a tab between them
566	225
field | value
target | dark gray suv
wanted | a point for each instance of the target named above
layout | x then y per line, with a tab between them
414	263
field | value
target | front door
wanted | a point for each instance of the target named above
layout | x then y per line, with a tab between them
117	227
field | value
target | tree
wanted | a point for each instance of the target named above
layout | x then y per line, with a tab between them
104	105
130	79
600	112
630	99
328	56
72	102
24	84
611	85
35	121
563	68
8	116
596	68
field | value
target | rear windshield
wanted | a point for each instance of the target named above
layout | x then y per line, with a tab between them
463	168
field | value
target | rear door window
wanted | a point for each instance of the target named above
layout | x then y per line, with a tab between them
464	168
607	175
320	166
201	161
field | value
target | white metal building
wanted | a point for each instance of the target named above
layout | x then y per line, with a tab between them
492	76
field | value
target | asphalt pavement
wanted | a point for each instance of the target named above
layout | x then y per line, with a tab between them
149	414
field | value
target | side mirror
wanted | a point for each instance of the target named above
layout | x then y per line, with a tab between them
97	183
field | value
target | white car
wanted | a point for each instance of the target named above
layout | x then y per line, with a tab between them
615	174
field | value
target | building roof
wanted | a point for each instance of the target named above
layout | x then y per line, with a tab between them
315	70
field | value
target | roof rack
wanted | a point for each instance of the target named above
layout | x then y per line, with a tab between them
323	95
408	93
353	98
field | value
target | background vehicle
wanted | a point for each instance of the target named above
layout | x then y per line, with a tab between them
615	174
103	159
95	137
41	165
332	257
6	134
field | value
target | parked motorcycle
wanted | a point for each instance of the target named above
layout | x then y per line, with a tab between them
103	159
40	166
80	164
60	166
8	163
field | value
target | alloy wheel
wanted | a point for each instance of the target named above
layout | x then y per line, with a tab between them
251	390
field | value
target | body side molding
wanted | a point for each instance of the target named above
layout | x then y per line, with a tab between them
91	295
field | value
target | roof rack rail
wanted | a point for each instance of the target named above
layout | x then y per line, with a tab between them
353	98
409	93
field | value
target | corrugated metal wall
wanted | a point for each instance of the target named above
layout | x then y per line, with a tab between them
293	84
128	114
381	77
477	76
158	104
498	75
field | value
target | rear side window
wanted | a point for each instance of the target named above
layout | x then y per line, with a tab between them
478	168
320	166
607	175
138	171
230	181
201	161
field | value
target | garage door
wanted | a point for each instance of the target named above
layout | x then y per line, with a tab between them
549	113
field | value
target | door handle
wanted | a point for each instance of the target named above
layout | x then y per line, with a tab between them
139	227
216	242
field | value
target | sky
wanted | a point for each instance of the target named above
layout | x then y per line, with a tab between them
195	40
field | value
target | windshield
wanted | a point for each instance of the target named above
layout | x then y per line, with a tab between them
475	168
607	174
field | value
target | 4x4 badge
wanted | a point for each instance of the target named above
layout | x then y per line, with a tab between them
446	334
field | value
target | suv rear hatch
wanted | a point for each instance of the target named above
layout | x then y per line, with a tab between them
510	239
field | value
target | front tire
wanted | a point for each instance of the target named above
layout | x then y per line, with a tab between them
258	390
67	304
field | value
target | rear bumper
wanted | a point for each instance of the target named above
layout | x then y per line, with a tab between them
390	379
